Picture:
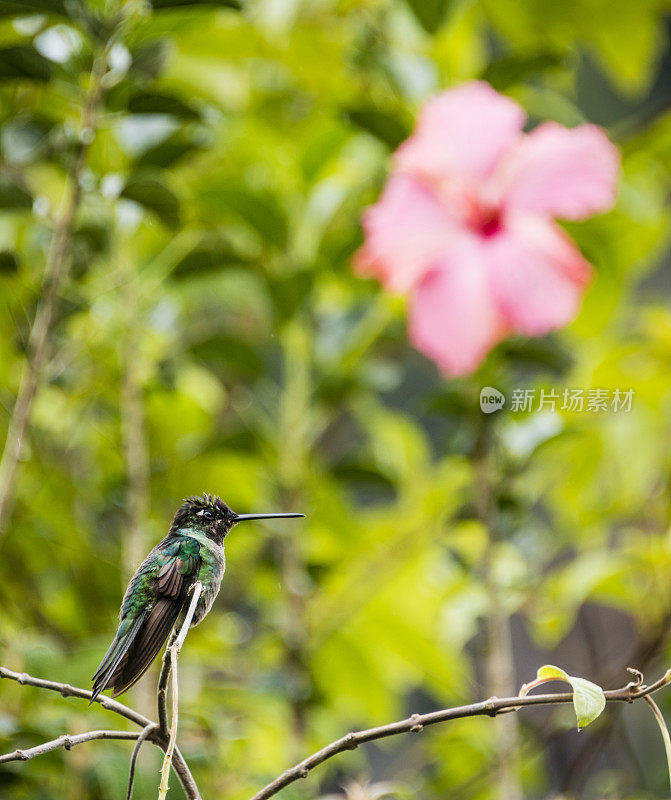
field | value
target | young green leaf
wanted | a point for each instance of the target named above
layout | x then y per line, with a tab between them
588	698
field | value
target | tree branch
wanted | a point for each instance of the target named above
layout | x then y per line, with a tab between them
162	691
133	758
67	742
156	737
74	691
417	722
634	690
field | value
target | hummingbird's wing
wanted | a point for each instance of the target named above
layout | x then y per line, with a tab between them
148	616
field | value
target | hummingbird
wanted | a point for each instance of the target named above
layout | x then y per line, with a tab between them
159	591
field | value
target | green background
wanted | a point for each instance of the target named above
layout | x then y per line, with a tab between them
211	336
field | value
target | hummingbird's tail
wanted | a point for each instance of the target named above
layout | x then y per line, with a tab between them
133	649
124	638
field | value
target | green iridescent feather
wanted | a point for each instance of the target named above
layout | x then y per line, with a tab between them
151	605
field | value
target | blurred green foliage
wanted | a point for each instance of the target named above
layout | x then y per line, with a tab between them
211	273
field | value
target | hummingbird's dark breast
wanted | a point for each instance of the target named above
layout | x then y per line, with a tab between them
210	574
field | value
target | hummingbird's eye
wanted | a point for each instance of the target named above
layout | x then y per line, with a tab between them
205	513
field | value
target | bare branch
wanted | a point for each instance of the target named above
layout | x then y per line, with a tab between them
195	597
634	690
74	691
65	741
417	722
185	777
160	740
663	730
136	752
162	691
167	759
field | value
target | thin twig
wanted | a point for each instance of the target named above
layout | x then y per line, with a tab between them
162	691
67	741
74	691
195	597
664	731
185	777
173	650
167	758
136	752
417	722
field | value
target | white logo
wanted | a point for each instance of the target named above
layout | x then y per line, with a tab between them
491	400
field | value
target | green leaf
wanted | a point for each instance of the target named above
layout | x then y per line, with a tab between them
210	255
260	210
429	13
13	7
8	262
157	4
155	196
167	153
149	58
25	139
321	150
290	292
157	103
588	698
386	127
229	356
89	241
509	70
13	197
23	61
599	99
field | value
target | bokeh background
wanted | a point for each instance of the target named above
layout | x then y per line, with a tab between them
210	335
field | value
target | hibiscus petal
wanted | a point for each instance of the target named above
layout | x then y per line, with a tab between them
404	230
453	318
564	172
461	133
537	274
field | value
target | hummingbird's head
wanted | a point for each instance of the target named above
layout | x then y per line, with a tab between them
210	515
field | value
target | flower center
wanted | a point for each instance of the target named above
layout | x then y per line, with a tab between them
486	220
483	216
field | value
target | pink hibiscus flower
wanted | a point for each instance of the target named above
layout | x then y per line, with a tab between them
465	223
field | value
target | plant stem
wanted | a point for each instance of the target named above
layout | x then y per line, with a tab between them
664	731
173	651
55	273
499	665
66	742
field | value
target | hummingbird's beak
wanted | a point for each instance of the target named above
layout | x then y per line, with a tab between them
243	517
